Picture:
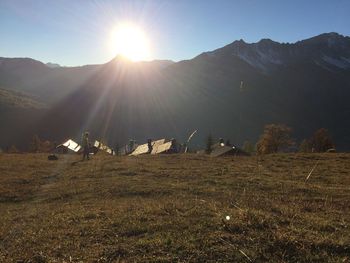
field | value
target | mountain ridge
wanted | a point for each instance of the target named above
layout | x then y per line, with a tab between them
283	83
266	53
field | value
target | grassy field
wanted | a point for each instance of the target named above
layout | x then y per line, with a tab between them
174	208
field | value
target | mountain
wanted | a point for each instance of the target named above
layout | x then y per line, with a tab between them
14	99
231	92
330	51
37	79
53	65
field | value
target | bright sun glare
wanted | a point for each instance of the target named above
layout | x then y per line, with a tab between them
131	42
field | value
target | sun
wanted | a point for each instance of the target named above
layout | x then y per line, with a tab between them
131	42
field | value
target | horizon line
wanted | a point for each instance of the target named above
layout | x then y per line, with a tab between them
179	60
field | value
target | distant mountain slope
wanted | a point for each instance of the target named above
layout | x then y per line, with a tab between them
36	78
305	85
330	51
13	99
51	83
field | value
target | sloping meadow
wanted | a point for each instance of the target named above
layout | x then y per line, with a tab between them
185	208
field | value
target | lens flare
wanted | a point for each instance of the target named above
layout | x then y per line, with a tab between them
130	41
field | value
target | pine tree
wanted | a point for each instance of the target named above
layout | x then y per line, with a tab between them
209	144
35	144
117	149
12	149
304	146
248	147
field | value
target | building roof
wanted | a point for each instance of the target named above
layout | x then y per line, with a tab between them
226	150
156	145
102	147
163	148
127	148
71	145
218	145
143	148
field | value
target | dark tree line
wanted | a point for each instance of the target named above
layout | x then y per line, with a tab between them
320	141
37	145
277	137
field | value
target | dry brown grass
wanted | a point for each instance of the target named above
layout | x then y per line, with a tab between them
173	208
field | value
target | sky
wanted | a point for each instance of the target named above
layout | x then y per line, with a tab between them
77	32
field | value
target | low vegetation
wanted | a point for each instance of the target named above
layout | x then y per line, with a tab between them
184	208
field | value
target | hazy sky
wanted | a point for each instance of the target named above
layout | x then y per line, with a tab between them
72	32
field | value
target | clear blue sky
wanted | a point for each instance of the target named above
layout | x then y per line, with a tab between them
72	32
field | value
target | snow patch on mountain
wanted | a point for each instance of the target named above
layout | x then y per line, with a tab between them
260	58
343	63
53	65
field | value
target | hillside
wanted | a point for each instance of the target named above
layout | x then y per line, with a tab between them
13	99
305	85
174	208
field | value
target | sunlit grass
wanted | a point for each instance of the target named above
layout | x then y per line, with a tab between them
174	208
